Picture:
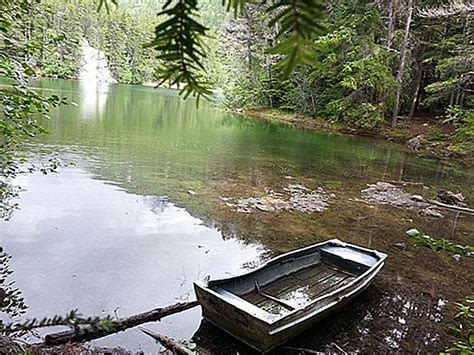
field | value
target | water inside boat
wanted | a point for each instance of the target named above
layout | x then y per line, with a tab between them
298	289
295	281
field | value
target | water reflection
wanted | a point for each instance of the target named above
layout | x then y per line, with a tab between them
82	243
93	98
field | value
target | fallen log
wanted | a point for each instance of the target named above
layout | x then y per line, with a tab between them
401	182
169	343
88	332
419	198
451	207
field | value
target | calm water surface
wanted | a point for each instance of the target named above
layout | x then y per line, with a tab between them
119	232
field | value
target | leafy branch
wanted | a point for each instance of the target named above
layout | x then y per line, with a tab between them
465	328
20	107
299	23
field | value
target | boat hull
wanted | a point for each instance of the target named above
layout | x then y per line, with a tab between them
264	332
259	335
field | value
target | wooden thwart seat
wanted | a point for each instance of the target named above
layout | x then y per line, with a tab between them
288	293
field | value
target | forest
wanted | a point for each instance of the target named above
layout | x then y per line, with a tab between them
183	165
369	63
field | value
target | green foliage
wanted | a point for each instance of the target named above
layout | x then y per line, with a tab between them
350	79
449	60
19	106
439	244
351	72
463	121
12	303
178	41
464	329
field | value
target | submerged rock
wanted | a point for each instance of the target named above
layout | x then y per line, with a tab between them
457	257
387	194
295	197
430	212
304	200
415	143
450	198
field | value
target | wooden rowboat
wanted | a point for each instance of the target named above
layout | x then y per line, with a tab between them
267	306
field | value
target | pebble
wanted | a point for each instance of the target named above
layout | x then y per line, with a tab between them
430	212
401	246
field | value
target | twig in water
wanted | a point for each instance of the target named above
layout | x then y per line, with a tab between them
303	350
169	343
338	348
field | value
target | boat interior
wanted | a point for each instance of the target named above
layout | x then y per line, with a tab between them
293	281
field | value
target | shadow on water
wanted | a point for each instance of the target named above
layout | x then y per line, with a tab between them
145	212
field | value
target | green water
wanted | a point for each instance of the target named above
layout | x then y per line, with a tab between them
141	214
151	142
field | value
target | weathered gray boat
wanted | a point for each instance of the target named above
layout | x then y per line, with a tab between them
269	305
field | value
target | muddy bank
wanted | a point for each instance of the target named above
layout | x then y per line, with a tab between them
423	136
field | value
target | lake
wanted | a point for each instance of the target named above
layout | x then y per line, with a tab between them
146	204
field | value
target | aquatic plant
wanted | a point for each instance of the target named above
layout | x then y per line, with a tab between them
440	244
464	328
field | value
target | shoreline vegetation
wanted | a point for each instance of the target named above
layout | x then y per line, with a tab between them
423	135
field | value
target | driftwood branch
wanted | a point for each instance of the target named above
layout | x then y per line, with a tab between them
169	343
451	207
87	333
302	350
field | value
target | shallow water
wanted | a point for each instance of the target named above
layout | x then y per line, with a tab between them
143	213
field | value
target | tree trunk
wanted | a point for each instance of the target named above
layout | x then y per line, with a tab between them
249	39
416	94
401	68
391	22
168	343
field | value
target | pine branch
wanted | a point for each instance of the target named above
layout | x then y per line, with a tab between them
178	41
299	22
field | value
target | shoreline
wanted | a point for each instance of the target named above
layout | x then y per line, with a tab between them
421	136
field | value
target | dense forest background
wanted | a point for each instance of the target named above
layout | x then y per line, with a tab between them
373	62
